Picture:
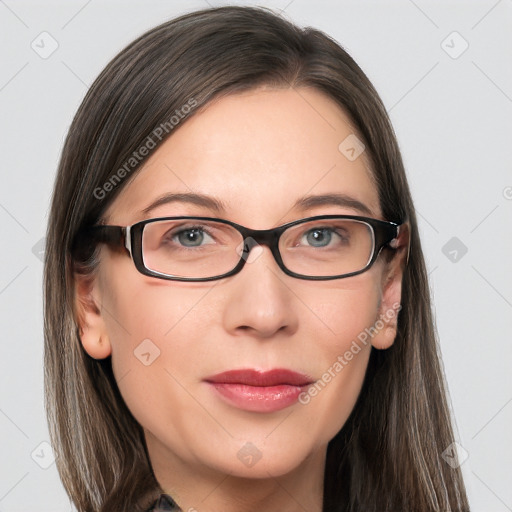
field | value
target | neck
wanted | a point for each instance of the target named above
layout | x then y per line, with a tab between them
197	488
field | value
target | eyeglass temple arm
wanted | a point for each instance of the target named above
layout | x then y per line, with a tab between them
402	239
114	236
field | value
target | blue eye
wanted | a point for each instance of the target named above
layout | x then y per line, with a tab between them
191	237
195	236
322	237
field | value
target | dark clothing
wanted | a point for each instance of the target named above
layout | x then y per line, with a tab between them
164	503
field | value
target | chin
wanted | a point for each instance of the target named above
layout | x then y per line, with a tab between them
259	460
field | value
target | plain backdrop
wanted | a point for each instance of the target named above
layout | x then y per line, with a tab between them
443	70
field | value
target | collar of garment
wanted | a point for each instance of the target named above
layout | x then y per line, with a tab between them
164	503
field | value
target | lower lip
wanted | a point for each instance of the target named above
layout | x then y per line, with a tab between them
259	398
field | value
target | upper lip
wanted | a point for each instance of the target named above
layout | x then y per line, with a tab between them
252	377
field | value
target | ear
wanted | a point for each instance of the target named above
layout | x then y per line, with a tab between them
91	325
391	290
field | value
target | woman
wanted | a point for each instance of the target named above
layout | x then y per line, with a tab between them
237	310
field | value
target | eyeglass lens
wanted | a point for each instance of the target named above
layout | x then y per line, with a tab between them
201	249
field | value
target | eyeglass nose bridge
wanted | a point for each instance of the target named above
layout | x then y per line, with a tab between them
257	237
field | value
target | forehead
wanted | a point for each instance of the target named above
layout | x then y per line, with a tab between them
257	152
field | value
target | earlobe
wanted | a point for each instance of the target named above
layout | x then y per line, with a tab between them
385	337
97	346
386	323
385	327
91	325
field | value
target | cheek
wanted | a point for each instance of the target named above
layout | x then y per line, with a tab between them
156	336
341	321
341	314
139	308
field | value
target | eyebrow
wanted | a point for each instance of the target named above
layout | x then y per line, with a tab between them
209	202
302	204
343	200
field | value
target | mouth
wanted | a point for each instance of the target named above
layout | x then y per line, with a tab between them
256	391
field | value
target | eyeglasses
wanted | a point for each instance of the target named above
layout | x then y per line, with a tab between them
206	248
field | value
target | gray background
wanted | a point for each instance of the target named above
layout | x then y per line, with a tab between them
452	111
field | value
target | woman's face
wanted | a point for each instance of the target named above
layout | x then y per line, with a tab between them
257	153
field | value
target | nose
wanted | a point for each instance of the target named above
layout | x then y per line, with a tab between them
260	300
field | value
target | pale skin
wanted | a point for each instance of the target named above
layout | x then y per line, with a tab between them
258	152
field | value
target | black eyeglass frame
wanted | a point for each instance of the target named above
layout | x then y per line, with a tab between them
385	234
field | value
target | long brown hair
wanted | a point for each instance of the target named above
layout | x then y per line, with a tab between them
387	457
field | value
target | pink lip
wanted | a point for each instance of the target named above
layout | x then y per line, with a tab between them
256	391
